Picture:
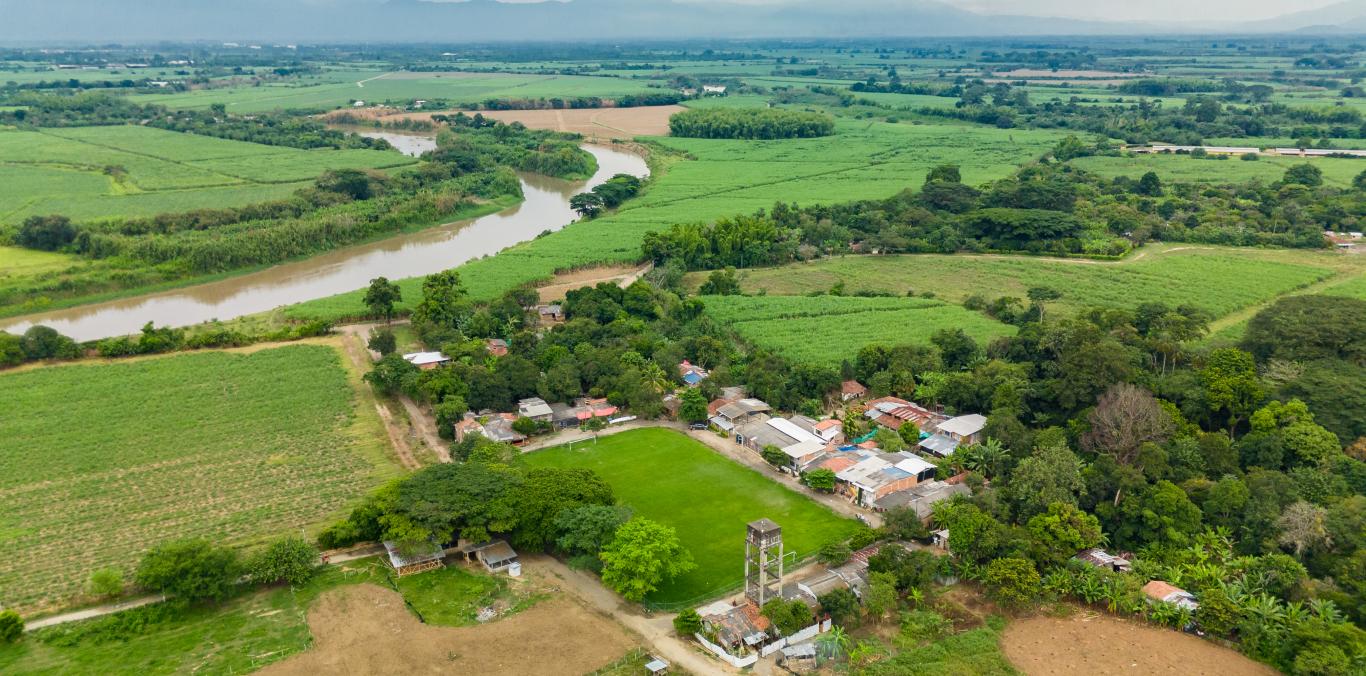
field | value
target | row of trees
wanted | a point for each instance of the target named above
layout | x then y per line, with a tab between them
610	194
750	123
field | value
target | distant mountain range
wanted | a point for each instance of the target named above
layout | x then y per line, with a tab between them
294	21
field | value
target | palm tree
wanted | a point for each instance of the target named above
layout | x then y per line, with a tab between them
834	643
1326	610
993	456
1091	590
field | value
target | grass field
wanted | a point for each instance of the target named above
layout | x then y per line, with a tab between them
19	262
63	171
724	178
340	88
1220	280
240	635
829	329
707	498
105	460
1336	171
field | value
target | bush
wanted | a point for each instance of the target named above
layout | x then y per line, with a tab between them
820	479
289	559
382	341
687	623
46	233
106	582
193	569
788	617
11	626
835	553
1012	582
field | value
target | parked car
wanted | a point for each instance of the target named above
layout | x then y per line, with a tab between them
697	426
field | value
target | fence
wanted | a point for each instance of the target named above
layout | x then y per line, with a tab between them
737	662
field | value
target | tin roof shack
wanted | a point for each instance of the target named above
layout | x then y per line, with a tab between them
1164	592
411	561
1102	559
535	408
426	360
734	414
852	389
498	557
922	497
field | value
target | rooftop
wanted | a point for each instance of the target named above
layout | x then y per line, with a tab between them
964	425
424	358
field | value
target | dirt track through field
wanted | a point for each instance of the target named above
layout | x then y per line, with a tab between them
1091	644
366	629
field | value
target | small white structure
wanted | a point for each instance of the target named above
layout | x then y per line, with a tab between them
657	665
713	89
426	360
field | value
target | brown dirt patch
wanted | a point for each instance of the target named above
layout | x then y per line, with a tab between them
595	122
366	629
1090	643
556	288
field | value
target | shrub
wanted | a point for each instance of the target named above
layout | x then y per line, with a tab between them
835	553
194	569
687	622
788	617
1012	582
106	582
820	479
289	559
11	626
383	341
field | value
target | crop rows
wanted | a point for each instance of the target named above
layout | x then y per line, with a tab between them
107	460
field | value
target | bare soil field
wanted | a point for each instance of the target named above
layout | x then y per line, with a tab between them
1090	644
556	288
595	122
365	629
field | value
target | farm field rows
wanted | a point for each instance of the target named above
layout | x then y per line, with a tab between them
339	89
66	171
109	459
1219	280
1336	171
666	476
828	329
725	178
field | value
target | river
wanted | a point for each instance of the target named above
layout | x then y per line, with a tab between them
546	207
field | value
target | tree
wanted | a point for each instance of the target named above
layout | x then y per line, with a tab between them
106	582
775	456
720	283
393	374
382	341
291	559
641	556
46	233
820	479
193	569
1012	582
545	493
889	441
1051	474
1217	614
586	204
11	626
42	342
835	553
788	617
692	406
1063	531
1230	382
354	183
586	529
11	349
443	301
841	604
687	623
1303	174
1041	295
1302	526
381	296
1125	418
1162	514
880	598
1306	328
956	348
947	173
1149	185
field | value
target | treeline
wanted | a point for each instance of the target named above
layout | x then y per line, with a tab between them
609	194
95	109
750	123
43	343
514	145
557	103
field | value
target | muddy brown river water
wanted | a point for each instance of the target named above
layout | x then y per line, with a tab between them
546	207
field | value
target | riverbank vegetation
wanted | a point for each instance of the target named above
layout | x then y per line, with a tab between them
747	123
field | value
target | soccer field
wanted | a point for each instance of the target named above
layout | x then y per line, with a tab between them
665	476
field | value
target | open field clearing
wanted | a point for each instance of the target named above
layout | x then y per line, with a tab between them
595	122
20	262
1090	643
104	460
725	177
397	87
829	329
668	477
1337	171
366	629
259	628
70	171
1220	280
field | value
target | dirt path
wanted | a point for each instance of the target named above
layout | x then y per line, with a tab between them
1341	277
97	611
365	629
656	629
1091	644
353	342
561	284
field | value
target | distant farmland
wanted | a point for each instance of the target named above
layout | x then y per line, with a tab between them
829	329
102	172
103	461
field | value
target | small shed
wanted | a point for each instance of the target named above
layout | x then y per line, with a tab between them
498	557
426	557
656	665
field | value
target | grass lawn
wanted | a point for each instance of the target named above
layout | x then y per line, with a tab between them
666	476
1220	280
20	262
862	160
104	460
829	329
239	636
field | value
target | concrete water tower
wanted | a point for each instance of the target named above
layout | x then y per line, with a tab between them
763	561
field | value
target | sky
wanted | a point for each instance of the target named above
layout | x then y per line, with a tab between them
1147	10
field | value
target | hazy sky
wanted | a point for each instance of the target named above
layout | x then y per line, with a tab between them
1151	10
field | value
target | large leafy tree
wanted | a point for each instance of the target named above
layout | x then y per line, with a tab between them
547	492
1231	385
194	569
442	502
1062	531
443	303
642	555
1051	475
381	296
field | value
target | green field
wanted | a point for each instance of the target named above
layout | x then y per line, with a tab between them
19	262
102	461
1184	168
241	635
829	329
724	178
65	171
339	88
668	477
1220	280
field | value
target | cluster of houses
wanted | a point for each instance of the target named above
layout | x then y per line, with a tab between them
1347	241
1168	148
866	474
